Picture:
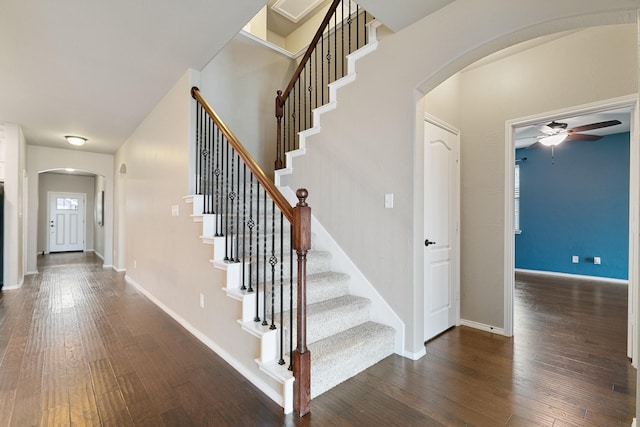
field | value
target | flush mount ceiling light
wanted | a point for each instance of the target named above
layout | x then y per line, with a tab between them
75	140
552	140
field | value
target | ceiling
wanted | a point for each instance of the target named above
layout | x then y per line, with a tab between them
527	135
97	68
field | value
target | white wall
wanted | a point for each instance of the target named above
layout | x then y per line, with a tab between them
42	159
241	83
14	206
61	183
164	253
603	65
372	145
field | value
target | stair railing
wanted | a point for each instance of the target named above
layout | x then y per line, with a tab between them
248	210
342	31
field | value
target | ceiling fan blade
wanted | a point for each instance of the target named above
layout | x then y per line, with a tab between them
595	126
582	137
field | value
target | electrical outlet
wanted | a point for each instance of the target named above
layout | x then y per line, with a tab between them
201	300
575	259
596	260
175	210
135	264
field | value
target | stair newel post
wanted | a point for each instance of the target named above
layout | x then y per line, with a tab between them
301	355
279	114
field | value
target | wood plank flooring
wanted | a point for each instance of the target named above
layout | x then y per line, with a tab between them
78	346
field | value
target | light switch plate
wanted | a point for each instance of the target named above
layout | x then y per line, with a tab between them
388	201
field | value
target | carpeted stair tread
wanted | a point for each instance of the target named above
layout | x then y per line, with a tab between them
333	316
341	356
326	285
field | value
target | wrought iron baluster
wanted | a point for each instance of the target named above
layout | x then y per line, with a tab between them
243	256
198	162
366	35
290	296
335	47
322	66
231	198
286	125
217	208
303	86
264	263
209	183
257	318
281	361
310	89
358	26
349	22
297	139
273	260
342	54
251	224
225	200
237	258
205	167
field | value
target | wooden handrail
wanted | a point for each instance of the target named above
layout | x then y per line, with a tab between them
283	97
269	186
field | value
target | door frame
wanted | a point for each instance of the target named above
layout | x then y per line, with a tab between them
84	218
630	102
455	256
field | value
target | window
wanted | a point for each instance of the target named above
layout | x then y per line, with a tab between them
67	204
516	200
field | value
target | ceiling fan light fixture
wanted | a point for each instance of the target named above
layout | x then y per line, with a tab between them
553	140
75	140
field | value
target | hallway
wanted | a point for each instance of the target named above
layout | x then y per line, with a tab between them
78	346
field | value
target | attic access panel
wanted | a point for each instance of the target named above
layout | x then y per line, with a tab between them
295	10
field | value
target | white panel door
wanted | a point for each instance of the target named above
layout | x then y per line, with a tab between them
441	245
66	222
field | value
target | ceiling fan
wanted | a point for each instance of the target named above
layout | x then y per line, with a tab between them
555	133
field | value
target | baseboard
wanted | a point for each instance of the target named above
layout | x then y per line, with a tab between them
119	270
483	327
98	254
415	356
31	273
255	380
573	276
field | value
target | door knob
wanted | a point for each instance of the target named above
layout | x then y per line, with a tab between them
427	242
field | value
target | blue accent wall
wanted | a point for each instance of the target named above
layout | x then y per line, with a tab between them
576	203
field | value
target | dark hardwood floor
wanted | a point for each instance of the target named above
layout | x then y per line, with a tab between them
78	346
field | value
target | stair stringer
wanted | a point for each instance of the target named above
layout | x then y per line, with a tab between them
381	312
359	285
333	101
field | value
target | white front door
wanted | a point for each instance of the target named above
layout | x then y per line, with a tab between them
66	222
442	212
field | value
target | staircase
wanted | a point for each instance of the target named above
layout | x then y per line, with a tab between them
342	339
318	332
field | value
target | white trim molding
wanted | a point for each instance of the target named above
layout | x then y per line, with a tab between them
483	327
573	276
629	101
